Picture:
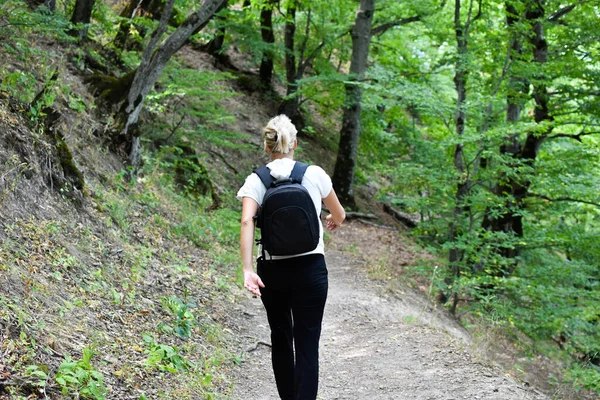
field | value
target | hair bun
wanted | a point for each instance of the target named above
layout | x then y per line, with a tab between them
279	134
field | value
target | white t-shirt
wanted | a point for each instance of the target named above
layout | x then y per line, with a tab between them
315	180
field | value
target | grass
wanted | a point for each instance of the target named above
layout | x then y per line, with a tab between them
136	253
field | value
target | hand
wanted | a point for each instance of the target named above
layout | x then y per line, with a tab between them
252	282
331	224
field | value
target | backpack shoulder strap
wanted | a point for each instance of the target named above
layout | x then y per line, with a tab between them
298	172
264	173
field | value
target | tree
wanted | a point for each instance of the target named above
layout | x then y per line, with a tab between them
82	14
343	176
515	188
297	61
153	8
153	62
268	36
291	105
461	31
215	46
362	33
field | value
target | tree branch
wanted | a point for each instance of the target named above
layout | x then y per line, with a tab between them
304	64
306	33
391	228
378	30
555	17
175	128
350	215
541	196
574	137
222	157
479	11
471	19
407	220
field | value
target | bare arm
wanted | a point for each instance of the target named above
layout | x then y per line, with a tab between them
251	280
338	215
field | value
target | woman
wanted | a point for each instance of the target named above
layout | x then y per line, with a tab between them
293	288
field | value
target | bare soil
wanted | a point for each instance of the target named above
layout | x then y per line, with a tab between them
377	343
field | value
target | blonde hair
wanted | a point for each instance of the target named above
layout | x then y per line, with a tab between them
279	134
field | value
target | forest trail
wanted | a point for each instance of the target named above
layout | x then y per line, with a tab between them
376	344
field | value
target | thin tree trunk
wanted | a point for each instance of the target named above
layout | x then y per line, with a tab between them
516	188
128	12
82	14
268	36
455	255
153	62
541	97
215	46
50	5
345	165
291	105
510	221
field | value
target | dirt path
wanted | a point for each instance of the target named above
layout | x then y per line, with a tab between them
377	345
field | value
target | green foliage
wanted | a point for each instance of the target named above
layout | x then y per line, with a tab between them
189	106
20	34
184	318
584	377
408	141
21	20
79	378
407	151
37	373
554	298
19	84
164	357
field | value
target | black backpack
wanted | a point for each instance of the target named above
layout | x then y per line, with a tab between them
287	217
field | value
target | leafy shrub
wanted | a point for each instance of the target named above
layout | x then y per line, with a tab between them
80	378
184	318
164	357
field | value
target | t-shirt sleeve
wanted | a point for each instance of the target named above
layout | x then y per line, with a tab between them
253	188
321	180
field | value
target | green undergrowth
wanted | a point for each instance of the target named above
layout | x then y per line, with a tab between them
127	296
541	323
131	298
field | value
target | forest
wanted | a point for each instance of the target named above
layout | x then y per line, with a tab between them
470	126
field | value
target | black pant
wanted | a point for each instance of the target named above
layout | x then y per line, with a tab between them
294	297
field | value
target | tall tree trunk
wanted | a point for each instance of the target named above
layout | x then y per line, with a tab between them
510	221
534	140
215	46
82	14
455	255
153	62
345	165
128	12
268	36
291	105
516	189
